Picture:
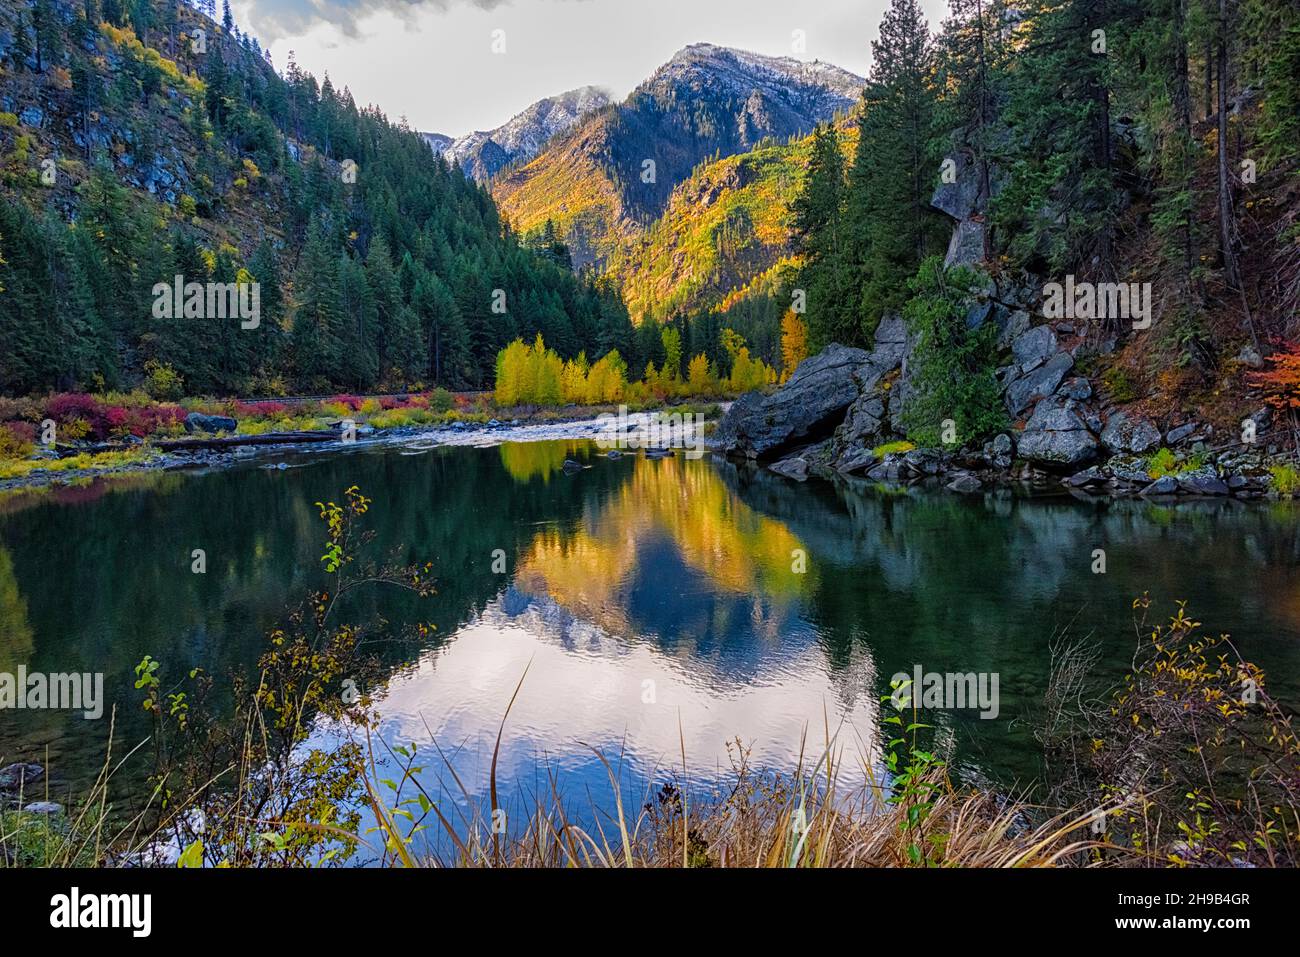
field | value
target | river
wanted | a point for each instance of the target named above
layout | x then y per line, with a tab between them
662	607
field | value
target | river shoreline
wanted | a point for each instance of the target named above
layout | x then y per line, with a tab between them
930	469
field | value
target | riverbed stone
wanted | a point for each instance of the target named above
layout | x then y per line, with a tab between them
1089	476
1203	481
965	484
998	451
1165	485
795	467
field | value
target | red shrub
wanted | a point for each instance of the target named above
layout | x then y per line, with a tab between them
106	420
351	401
269	409
66	406
22	431
1281	383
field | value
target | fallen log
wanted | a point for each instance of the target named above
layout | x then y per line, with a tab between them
221	442
229	441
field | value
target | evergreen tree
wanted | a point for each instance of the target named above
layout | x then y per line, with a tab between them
317	314
891	224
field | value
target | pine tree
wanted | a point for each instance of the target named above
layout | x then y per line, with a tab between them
891	224
819	230
317	312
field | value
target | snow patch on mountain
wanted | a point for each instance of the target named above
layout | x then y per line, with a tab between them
482	153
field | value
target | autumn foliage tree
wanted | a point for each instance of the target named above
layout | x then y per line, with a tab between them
794	342
1281	381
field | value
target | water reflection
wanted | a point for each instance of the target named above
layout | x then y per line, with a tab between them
659	602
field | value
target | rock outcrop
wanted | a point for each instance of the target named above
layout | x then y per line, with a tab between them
809	405
1057	435
841	411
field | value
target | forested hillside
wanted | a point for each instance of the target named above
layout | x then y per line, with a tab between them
145	139
1085	141
725	234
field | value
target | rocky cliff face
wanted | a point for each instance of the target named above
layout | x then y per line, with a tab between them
841	411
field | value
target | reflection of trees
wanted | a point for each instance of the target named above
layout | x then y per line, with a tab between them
108	580
694	556
16	644
526	460
982	583
670	514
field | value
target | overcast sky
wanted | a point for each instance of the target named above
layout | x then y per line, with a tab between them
432	60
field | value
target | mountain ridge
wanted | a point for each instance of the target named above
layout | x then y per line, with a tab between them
483	153
604	180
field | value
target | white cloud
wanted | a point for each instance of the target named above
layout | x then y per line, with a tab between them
432	60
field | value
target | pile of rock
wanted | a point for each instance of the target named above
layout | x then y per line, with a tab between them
841	407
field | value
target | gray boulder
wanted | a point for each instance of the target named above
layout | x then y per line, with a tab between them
20	776
1038	384
965	484
1036	344
1017	323
1165	485
811	402
924	461
859	432
899	396
1089	476
891	343
43	807
998	452
852	459
1077	388
888	469
198	422
1178	434
1128	434
966	247
960	198
795	468
1204	481
1057	435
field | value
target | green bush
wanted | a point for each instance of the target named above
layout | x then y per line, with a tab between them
440	400
1161	463
953	365
1286	479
